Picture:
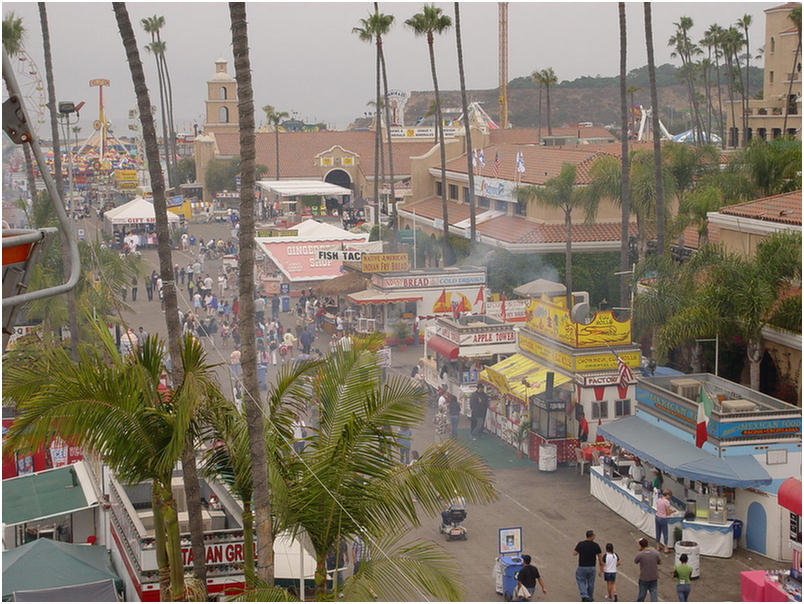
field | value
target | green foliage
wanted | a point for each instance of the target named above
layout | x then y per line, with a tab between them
220	175
460	246
186	169
773	167
787	314
13	34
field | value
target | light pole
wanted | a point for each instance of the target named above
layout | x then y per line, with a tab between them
66	109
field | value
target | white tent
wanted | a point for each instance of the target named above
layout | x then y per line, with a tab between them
136	211
292	188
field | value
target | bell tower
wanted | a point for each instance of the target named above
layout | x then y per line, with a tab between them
221	103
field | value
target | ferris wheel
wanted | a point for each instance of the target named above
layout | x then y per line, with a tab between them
32	88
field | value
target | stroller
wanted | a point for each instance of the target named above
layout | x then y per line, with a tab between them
451	520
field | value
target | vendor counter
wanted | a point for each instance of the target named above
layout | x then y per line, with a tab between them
757	586
713	539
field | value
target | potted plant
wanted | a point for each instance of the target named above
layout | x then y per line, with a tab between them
401	331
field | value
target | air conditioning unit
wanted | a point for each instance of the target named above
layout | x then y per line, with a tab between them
738	406
686	388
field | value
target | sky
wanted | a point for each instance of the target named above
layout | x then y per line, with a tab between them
306	61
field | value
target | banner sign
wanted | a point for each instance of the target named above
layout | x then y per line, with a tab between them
553	320
551	355
384	263
515	310
438	280
494	188
351	256
218	553
496	334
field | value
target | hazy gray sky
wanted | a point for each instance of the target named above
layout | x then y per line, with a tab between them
305	59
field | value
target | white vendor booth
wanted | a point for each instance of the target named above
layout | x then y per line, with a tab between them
137	212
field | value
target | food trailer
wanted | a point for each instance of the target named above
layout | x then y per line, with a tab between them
458	348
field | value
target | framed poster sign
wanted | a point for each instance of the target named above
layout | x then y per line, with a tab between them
510	540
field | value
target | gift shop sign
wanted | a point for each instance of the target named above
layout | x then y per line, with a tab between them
218	553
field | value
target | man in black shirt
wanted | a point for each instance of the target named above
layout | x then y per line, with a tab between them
587	550
527	577
478	405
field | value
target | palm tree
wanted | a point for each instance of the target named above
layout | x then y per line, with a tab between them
427	23
467	129
13	42
772	167
685	49
745	23
274	118
537	77
657	146
795	17
191	485
251	388
152	25
548	79
562	193
625	203
731	42
112	407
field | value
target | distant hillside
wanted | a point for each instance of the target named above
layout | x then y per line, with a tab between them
585	99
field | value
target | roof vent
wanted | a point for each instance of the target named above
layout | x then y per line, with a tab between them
738	406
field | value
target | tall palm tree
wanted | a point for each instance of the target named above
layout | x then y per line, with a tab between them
657	145
251	388
548	79
159	47
625	203
713	37
745	23
13	42
152	25
428	23
561	192
274	118
732	41
795	17
685	49
466	126
112	407
537	77
72	310
191	485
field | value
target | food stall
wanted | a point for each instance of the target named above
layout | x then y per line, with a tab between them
582	353
461	347
729	481
413	299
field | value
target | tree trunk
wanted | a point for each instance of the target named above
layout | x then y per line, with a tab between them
159	544
540	114
754	352
160	207
790	87
248	543
746	88
165	140
549	126
447	260
251	395
625	200
394	218
377	145
192	491
30	172
51	100
731	100
276	145
321	576
720	104
468	132
171	127
568	255
172	543
657	145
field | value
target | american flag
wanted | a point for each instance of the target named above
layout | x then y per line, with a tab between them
496	165
624	375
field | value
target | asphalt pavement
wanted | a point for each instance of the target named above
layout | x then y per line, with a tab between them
554	509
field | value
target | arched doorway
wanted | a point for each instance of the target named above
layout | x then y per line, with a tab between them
756	528
339	177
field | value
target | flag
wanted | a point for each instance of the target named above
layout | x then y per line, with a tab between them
502	311
705	405
481	157
496	165
474	158
520	163
624	375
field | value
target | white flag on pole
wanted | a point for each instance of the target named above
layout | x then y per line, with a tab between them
520	163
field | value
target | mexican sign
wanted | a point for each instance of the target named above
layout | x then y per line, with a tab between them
384	263
552	319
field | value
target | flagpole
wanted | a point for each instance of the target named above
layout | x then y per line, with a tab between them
414	238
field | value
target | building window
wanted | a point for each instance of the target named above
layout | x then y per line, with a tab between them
500	206
483	202
770	75
223	93
453	192
622	407
600	409
439	188
223	115
466	194
521	208
773	46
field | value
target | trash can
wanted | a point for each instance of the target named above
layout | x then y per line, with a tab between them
737	528
548	458
693	551
285	303
510	565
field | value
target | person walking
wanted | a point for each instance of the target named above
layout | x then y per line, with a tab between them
648	561
125	292
454	409
190	272
134	288
190	288
478	404
149	288
526	580
610	563
663	511
683	574
587	550
275	307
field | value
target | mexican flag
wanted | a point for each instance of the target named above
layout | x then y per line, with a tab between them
705	405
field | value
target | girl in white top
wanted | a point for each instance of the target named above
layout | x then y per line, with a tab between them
610	563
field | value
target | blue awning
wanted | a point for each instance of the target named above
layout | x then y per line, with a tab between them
682	458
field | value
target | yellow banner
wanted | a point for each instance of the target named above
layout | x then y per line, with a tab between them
556	357
384	263
550	318
125	175
495	379
605	361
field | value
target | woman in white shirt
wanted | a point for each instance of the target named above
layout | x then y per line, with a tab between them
610	563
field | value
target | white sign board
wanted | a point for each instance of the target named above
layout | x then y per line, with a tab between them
342	255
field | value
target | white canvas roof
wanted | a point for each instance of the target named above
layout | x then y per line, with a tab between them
290	188
136	211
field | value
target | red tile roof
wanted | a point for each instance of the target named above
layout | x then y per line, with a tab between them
514	229
541	163
690	235
297	150
784	208
431	208
787	6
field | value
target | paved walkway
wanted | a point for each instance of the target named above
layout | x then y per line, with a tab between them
553	508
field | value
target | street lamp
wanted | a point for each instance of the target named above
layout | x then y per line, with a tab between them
66	109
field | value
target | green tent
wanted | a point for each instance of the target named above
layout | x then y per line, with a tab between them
48	564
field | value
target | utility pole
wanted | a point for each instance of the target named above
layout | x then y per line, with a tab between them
502	21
